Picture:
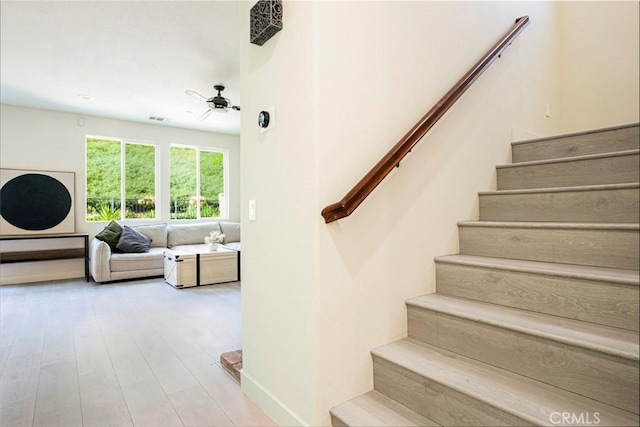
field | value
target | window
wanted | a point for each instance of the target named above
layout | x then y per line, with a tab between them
197	183
121	179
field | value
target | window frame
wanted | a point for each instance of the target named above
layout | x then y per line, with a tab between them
123	166
225	178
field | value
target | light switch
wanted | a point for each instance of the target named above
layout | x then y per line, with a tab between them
252	210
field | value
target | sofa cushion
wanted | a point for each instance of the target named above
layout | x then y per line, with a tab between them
154	259
231	231
189	234
132	241
110	235
156	232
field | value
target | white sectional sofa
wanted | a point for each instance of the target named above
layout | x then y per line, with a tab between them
107	266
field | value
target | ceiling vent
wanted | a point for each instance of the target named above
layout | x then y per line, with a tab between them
159	119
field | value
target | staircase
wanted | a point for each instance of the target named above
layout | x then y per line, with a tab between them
535	322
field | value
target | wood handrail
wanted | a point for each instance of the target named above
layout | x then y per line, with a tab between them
370	181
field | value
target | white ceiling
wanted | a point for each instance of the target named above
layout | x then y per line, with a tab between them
135	58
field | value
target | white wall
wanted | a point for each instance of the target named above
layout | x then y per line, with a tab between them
279	249
48	140
389	63
601	48
347	80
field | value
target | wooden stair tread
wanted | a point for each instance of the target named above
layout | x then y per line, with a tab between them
599	187
570	159
604	274
613	341
376	409
565	312
525	398
553	225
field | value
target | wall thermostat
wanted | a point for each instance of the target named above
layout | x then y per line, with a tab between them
267	119
263	119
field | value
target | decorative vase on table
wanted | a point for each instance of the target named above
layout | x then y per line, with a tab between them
213	240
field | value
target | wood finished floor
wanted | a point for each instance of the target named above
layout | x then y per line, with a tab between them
135	353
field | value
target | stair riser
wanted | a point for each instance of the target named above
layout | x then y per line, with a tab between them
605	378
606	170
436	401
579	145
620	205
603	248
587	300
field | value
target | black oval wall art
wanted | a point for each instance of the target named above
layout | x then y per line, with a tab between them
34	202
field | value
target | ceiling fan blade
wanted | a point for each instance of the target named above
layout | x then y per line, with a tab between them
236	107
203	116
196	95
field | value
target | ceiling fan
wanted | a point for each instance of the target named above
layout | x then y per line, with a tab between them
217	103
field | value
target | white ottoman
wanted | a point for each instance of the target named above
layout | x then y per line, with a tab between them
180	268
218	266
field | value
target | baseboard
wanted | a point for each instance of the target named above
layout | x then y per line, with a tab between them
43	277
271	405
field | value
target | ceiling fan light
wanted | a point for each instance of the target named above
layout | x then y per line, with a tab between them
218	103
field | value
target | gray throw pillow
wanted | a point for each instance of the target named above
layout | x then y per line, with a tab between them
110	235
133	241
